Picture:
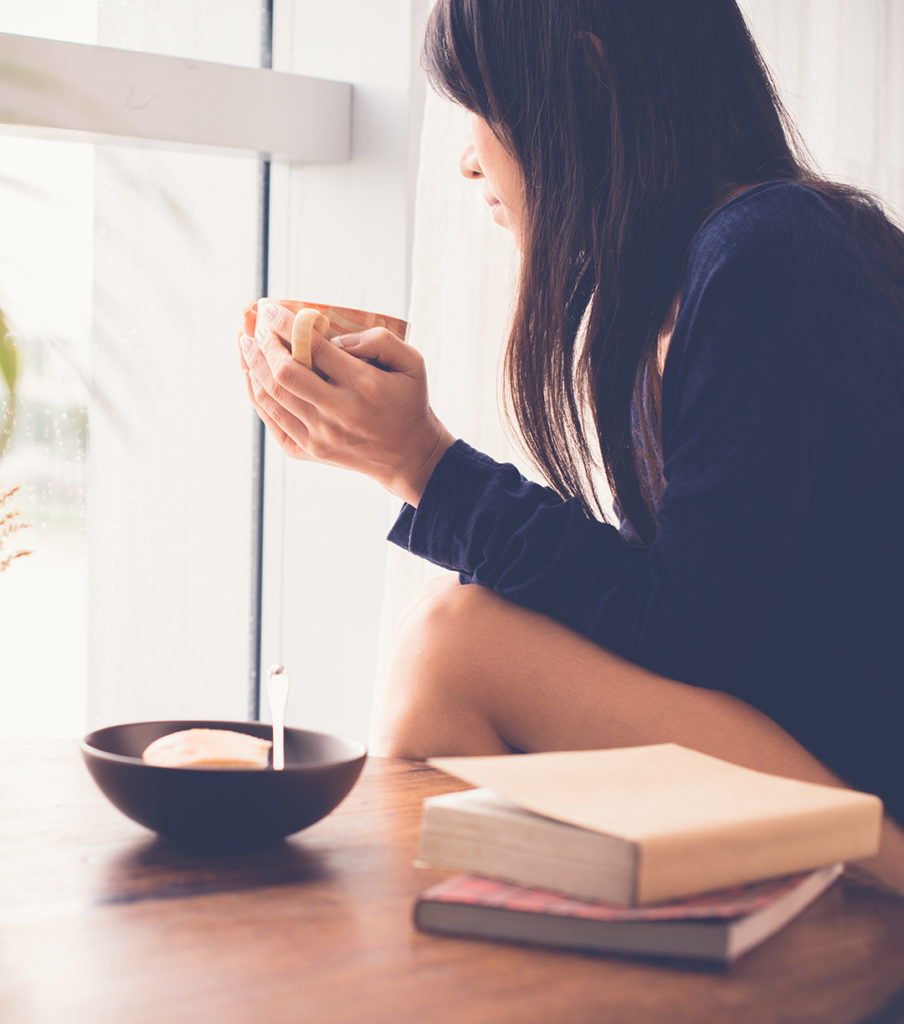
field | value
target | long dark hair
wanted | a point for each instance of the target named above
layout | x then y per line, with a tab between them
631	121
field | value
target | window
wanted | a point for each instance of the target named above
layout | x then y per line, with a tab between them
123	277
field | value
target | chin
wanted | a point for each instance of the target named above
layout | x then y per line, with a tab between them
500	216
498	213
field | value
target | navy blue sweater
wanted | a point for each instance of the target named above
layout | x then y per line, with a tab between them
776	574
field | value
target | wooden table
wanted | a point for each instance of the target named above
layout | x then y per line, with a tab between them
100	921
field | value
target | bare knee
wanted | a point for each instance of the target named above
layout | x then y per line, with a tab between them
432	704
423	668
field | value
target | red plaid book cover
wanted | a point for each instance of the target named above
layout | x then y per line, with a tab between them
727	904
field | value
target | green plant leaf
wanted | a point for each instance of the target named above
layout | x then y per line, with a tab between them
9	356
9	371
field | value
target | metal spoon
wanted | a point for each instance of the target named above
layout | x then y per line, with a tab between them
278	693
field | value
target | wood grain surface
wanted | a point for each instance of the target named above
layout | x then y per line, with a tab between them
101	922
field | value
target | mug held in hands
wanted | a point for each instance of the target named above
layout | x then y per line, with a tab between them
331	322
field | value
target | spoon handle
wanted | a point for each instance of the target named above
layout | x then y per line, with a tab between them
278	693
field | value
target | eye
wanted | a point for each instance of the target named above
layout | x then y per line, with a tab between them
469	165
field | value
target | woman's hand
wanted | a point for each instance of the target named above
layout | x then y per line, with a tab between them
375	419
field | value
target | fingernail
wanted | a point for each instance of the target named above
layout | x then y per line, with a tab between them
337	341
347	340
270	311
245	342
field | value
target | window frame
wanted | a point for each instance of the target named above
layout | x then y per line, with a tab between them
100	92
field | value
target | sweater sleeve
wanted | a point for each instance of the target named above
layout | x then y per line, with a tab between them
741	436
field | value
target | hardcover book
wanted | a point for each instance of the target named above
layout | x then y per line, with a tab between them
639	825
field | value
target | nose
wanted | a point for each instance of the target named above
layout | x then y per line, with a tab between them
469	164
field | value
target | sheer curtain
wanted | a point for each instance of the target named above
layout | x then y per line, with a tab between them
839	67
463	276
464	268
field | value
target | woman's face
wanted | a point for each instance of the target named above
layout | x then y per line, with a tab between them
486	158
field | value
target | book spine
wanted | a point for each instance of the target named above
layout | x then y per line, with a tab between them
686	940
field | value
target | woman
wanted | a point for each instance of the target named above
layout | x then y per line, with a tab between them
719	328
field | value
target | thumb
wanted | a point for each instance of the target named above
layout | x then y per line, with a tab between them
381	346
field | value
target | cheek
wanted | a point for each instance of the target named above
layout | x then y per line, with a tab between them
514	188
506	175
510	191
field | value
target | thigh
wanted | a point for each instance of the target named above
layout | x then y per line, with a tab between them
544	687
473	662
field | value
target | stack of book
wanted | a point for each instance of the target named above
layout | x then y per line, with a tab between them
655	850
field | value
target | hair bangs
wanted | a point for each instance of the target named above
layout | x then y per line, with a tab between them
450	57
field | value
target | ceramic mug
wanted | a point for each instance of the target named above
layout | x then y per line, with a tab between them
336	320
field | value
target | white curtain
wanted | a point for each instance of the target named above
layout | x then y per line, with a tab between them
462	288
839	67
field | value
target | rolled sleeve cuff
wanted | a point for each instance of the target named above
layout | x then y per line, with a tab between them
455	489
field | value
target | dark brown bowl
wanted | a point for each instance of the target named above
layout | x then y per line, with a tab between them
223	806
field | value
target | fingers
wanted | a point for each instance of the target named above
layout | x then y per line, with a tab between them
382	346
273	316
280	436
284	378
276	383
288	444
271	395
337	365
249	318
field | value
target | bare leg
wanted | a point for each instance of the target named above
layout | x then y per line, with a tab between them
472	673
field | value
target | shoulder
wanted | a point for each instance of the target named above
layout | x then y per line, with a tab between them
740	298
770	219
775	248
741	253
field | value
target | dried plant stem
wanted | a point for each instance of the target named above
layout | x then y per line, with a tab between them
10	523
5	564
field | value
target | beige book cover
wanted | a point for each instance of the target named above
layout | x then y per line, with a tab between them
699	823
